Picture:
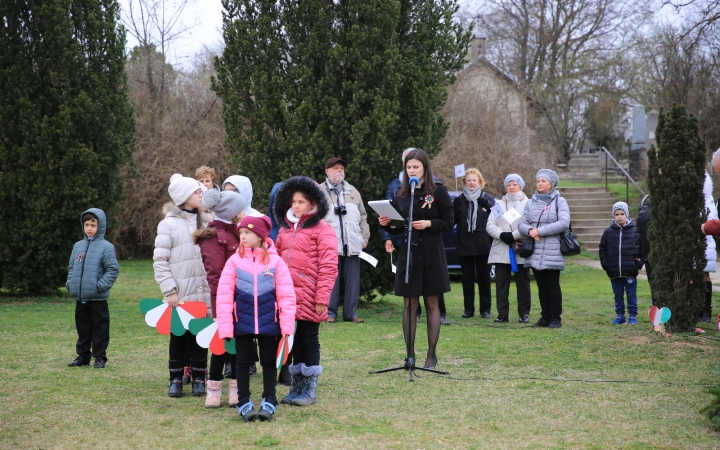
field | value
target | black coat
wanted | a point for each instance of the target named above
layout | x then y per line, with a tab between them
479	241
428	266
616	251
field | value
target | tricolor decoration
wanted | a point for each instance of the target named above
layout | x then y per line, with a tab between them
284	348
160	315
658	317
206	336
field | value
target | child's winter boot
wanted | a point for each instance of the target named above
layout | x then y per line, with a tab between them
214	394
267	410
198	375
233	394
295	384
307	395
176	372
619	320
247	411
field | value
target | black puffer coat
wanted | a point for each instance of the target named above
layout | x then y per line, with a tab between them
616	251
479	242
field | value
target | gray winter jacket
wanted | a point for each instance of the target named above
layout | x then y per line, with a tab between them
93	267
547	255
355	231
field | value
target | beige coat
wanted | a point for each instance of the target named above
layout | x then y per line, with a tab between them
176	260
499	253
356	231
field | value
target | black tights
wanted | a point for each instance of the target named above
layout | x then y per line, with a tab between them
433	325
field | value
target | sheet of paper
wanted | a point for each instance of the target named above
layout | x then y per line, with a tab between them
368	258
497	210
394	269
460	171
511	216
384	208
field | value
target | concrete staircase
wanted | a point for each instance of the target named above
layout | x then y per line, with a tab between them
590	168
589	213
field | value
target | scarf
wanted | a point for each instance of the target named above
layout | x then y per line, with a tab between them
547	198
295	219
472	197
516	197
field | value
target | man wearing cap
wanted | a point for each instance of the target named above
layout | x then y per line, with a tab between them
348	217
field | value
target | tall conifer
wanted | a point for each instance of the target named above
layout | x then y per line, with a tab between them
357	79
676	173
66	135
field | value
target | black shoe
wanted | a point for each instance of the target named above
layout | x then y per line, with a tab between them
485	315
198	388
524	319
555	324
467	315
443	320
228	370
501	319
100	363
253	369
79	361
175	389
541	323
284	377
705	316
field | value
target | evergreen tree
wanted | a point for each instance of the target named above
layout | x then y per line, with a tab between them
66	135
357	79
676	173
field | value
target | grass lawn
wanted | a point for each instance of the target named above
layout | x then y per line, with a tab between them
587	385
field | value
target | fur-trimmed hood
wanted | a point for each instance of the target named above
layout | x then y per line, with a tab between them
311	190
202	234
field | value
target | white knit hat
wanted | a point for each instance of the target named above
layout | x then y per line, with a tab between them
181	188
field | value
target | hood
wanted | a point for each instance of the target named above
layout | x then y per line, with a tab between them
629	224
310	189
102	222
244	187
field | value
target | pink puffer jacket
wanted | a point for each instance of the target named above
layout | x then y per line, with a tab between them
263	291
309	248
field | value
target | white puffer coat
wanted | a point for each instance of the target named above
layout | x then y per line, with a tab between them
355	229
176	260
552	224
500	251
710	250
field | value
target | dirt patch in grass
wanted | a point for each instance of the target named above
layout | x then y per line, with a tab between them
638	340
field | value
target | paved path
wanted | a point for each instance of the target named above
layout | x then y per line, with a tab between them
714	276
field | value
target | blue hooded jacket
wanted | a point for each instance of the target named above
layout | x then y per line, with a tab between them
93	267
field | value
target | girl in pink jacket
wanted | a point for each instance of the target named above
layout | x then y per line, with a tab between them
308	245
255	300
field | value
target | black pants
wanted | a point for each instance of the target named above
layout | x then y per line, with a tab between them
548	282
92	321
476	268
186	347
306	348
245	354
502	289
217	366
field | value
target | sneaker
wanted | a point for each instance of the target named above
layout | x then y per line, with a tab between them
267	410
632	321
555	324
247	411
698	330
443	320
619	320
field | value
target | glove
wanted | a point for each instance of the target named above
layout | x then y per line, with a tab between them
507	238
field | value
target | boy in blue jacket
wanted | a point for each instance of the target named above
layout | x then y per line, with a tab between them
616	257
92	271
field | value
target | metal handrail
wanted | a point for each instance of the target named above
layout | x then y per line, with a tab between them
627	176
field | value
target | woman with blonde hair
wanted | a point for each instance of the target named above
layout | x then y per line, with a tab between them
471	210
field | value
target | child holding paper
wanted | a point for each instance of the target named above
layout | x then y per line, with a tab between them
255	300
616	258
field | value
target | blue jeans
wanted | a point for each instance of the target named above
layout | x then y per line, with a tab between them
625	286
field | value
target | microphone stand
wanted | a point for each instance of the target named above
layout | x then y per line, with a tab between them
407	312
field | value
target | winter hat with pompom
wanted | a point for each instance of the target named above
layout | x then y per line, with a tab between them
226	205
181	188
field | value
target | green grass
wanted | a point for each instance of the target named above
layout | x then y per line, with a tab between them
587	385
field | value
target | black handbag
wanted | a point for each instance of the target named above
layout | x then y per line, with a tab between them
527	248
569	245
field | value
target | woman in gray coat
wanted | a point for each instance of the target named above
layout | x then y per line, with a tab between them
545	218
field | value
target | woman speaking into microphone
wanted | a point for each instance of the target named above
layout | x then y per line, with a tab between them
428	275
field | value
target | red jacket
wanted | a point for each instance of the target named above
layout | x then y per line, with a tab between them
309	248
218	242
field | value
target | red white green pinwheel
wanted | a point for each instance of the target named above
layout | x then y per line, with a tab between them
160	315
206	335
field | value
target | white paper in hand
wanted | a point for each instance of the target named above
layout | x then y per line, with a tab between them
394	269
368	258
497	210
511	216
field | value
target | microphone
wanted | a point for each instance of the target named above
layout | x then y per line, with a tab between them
414	181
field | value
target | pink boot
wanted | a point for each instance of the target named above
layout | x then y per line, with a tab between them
233	394
214	394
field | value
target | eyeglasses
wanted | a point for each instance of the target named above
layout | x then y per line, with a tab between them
198	192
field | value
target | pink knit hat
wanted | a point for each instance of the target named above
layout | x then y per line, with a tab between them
259	225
